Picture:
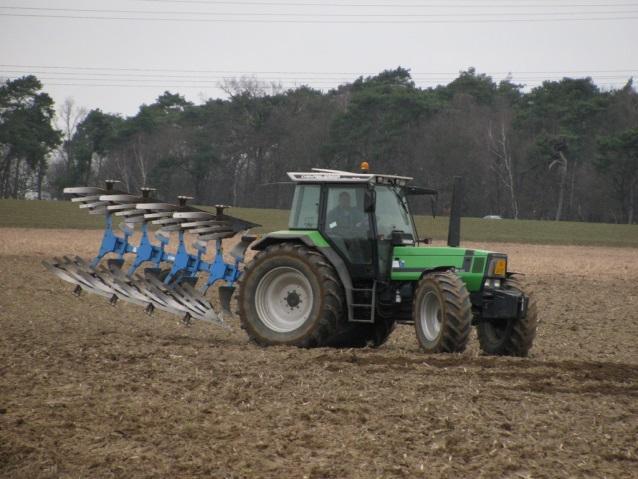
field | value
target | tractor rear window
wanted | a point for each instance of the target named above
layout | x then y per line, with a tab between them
305	207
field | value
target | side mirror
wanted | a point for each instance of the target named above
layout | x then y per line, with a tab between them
369	201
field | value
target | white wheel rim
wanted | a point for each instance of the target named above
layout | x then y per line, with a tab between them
283	299
430	316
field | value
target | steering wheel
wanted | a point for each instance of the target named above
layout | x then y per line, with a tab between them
350	231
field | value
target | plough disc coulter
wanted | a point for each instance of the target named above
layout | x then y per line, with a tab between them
168	279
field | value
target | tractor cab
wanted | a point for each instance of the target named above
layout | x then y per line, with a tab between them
361	216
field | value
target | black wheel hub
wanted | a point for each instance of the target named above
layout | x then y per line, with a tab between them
293	299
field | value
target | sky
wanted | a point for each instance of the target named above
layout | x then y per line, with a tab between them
120	54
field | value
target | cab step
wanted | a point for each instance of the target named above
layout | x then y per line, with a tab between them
363	305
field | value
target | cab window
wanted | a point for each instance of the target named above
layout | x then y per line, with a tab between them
347	224
391	213
304	213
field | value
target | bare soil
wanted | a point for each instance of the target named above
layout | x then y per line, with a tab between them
89	390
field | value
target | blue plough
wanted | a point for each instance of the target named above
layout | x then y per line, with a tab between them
169	281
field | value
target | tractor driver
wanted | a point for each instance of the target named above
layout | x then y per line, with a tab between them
344	216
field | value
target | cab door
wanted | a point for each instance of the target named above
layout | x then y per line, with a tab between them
349	228
392	217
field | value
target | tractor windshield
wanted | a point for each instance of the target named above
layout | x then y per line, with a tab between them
392	212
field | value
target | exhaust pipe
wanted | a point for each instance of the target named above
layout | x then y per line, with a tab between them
454	231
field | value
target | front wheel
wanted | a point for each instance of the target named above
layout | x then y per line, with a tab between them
442	313
513	336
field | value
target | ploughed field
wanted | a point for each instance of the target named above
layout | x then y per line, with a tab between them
90	390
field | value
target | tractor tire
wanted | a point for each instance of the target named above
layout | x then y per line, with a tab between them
350	336
442	313
510	337
365	335
379	332
291	295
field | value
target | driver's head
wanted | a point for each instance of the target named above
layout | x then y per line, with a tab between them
344	199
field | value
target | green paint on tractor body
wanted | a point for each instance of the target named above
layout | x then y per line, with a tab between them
410	262
313	235
310	237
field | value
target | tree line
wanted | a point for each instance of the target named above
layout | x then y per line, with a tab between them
565	150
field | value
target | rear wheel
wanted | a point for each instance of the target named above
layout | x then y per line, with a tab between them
290	294
359	335
442	313
513	336
283	299
380	331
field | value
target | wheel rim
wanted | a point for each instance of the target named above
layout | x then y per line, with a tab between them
430	316
283	299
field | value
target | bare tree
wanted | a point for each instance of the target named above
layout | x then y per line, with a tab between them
251	86
69	117
502	164
562	164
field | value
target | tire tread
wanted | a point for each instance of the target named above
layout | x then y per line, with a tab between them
458	311
332	313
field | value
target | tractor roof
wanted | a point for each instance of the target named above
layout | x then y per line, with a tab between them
320	175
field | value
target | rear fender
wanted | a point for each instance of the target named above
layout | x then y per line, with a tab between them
269	240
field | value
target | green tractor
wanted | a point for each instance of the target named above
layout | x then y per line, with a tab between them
349	268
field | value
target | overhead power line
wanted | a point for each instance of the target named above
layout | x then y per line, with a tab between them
210	82
312	21
217	81
215	87
65	75
100	70
317	15
555	4
80	76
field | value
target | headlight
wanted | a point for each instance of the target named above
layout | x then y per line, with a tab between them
498	267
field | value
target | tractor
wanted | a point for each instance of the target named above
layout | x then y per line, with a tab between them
348	269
